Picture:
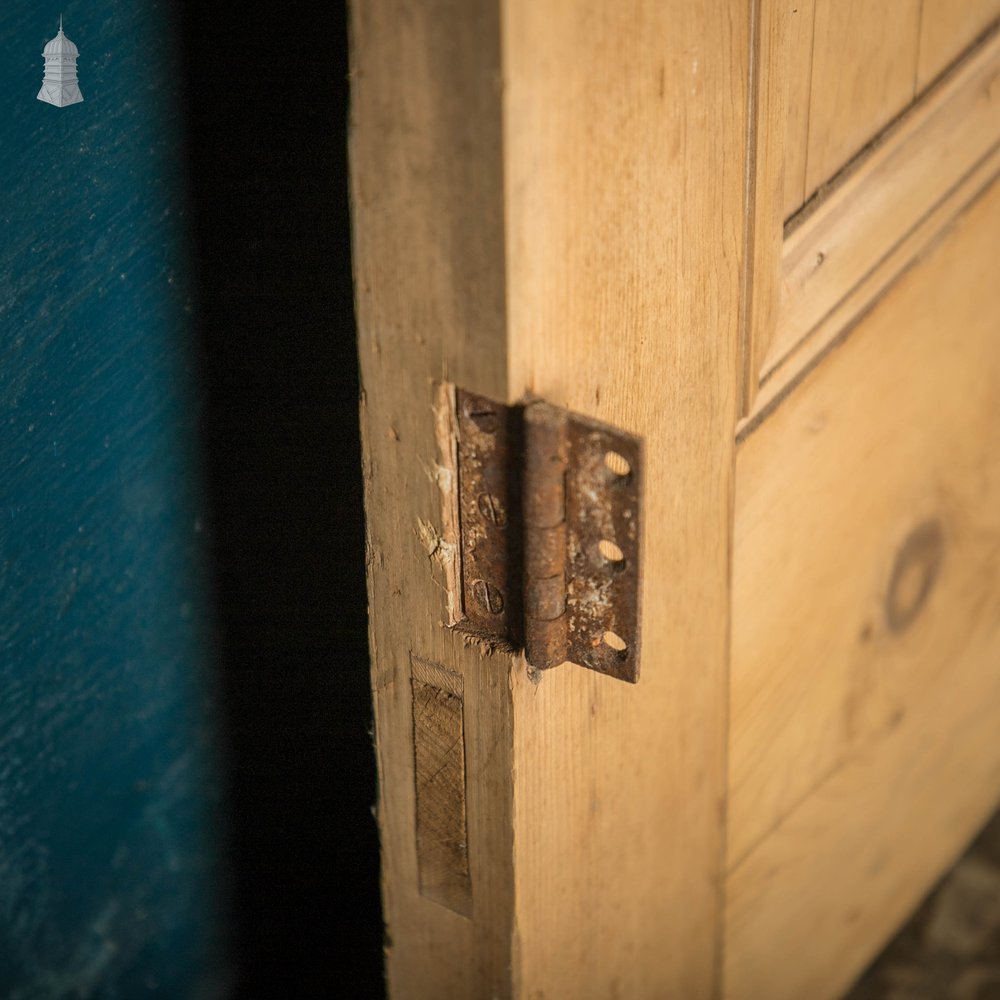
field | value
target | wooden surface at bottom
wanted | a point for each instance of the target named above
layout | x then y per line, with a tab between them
950	948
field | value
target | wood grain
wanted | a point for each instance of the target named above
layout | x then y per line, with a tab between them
520	228
787	371
914	168
439	786
865	694
798	57
947	27
769	86
427	203
864	59
625	131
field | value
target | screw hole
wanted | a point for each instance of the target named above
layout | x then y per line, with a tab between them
610	551
614	641
618	464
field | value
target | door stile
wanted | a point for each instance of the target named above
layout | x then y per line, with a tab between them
427	204
625	130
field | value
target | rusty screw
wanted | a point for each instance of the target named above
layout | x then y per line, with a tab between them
487	597
491	509
481	414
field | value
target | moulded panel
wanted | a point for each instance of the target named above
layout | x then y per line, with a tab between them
865	695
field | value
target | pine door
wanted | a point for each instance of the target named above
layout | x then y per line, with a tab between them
761	237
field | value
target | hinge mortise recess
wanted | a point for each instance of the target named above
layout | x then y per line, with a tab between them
544	509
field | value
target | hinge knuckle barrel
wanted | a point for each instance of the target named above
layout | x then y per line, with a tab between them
546	644
544	515
545	598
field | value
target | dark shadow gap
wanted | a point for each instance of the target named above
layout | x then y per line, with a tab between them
265	118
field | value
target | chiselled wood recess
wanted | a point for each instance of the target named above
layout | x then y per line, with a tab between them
439	785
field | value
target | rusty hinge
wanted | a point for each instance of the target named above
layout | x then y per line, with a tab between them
544	512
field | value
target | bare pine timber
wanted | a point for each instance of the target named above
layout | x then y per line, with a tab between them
863	70
604	273
439	784
624	140
584	201
861	221
947	27
798	69
793	366
769	85
866	627
427	201
861	64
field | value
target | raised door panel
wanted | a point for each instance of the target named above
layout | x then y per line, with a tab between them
942	143
865	697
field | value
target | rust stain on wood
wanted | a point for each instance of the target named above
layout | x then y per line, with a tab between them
439	777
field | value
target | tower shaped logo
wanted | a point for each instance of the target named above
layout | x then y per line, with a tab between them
59	86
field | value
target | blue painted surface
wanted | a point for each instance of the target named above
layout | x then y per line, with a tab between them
107	880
